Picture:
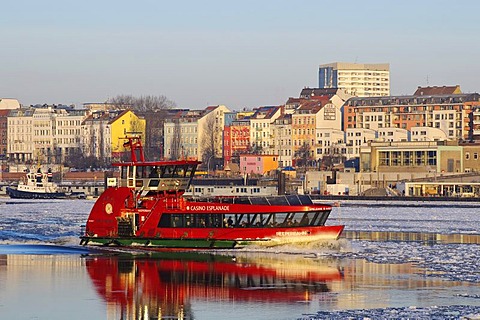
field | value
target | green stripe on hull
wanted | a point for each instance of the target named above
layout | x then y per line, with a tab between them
161	243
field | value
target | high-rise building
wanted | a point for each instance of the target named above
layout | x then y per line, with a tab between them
357	79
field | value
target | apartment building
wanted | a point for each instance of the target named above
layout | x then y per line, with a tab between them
450	113
261	131
46	133
282	133
355	138
181	134
104	132
210	131
236	140
357	79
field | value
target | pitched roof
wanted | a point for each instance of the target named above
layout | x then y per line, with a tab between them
308	92
430	91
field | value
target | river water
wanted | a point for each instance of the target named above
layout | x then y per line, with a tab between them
397	260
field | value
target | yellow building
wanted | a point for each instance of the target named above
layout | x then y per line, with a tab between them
126	123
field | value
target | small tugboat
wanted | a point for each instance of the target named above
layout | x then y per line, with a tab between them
40	185
146	207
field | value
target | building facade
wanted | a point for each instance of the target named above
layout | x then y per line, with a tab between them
450	113
357	79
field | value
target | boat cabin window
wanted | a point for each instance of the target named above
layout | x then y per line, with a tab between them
244	220
179	171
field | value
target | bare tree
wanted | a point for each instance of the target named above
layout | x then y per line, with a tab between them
142	103
176	143
303	155
208	140
153	109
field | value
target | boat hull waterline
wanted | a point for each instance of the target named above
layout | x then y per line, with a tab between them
18	194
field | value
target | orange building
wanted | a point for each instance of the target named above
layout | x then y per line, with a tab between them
449	113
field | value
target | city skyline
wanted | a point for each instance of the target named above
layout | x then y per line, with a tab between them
238	55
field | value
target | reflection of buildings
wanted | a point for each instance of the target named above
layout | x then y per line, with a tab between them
164	284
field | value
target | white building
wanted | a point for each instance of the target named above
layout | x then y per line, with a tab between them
393	134
282	135
46	134
20	135
329	142
358	79
428	134
357	137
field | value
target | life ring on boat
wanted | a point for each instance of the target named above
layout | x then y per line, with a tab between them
108	208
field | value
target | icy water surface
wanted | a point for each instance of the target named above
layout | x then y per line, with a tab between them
420	261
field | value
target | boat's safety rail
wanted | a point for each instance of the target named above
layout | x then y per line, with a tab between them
283	200
156	184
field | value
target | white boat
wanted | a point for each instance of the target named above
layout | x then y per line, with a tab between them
40	185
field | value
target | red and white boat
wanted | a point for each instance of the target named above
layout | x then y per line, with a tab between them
146	207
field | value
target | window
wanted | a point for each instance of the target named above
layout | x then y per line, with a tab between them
467	155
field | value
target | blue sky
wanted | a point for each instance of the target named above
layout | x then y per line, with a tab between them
241	54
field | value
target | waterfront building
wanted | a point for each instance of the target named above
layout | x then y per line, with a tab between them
355	138
181	134
471	156
104	132
261	133
357	79
210	132
304	123
258	164
450	113
236	140
418	156
3	132
330	143
43	133
67	133
282	143
20	135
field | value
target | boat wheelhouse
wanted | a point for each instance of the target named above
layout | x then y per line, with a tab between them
146	207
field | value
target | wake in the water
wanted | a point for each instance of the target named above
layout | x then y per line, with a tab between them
317	247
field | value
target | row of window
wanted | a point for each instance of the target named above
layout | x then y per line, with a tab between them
467	156
244	220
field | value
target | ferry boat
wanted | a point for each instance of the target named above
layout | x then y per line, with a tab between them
39	185
146	207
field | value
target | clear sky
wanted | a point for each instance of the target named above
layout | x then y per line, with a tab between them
237	53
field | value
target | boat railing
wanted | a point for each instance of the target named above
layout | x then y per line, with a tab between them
281	200
156	184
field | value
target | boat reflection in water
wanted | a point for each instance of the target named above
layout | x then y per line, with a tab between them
162	285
